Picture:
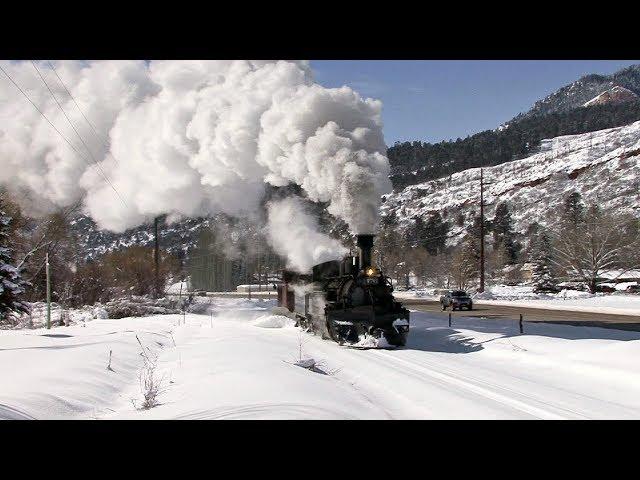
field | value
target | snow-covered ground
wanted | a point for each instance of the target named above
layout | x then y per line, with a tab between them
237	361
612	303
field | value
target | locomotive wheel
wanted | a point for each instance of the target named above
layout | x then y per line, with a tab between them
333	335
396	339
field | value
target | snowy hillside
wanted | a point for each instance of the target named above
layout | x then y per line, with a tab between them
177	237
603	166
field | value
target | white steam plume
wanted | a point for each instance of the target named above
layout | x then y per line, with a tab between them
188	138
294	234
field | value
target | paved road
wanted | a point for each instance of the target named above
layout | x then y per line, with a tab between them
511	313
624	322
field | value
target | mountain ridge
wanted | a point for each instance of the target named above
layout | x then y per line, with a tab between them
561	113
587	87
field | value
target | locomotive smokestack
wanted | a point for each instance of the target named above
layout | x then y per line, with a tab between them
365	244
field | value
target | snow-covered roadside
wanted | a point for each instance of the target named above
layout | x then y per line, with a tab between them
237	361
618	305
615	303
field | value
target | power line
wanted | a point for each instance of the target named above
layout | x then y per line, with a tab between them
55	128
97	164
43	115
66	116
103	138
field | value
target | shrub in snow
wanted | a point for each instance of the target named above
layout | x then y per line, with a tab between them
200	306
312	364
100	313
135	306
151	386
11	284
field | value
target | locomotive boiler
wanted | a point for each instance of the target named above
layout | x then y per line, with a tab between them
349	301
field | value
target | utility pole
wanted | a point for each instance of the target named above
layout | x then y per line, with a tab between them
156	260
481	289
48	291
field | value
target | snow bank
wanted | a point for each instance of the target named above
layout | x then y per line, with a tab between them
615	303
274	321
256	288
62	373
178	288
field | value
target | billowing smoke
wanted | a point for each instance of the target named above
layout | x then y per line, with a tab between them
187	138
294	234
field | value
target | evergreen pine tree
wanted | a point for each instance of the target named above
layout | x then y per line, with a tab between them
415	235
503	234
543	280
574	209
11	283
435	234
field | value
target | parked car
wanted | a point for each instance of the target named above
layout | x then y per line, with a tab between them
456	299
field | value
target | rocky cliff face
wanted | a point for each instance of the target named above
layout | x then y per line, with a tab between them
616	94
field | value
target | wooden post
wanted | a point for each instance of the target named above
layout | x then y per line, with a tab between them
48	291
449	318
156	260
481	289
521	329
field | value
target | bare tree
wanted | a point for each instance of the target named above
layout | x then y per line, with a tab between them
431	269
50	235
131	270
600	243
464	264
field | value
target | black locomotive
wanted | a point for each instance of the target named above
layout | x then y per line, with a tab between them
346	301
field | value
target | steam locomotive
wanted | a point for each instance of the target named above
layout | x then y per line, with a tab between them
348	301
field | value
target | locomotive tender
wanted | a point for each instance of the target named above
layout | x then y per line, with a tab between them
346	301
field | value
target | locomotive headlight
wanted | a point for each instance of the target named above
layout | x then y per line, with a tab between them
371	272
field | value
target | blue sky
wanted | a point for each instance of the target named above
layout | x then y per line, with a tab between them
434	100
